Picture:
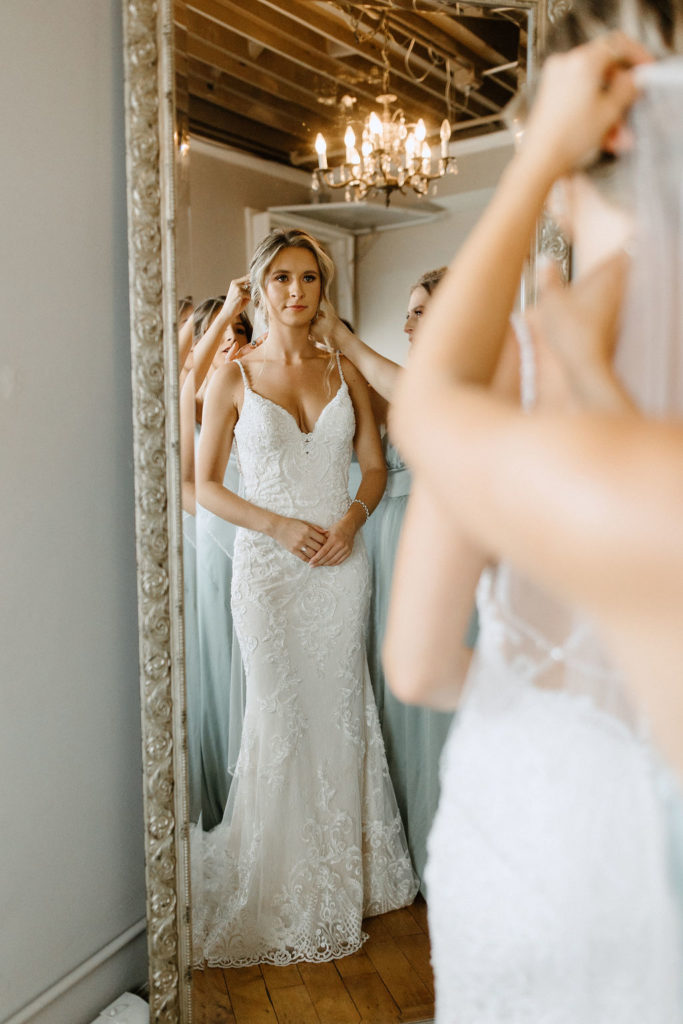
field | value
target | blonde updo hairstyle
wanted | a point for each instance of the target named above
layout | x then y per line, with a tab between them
430	279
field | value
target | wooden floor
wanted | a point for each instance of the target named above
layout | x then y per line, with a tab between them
388	981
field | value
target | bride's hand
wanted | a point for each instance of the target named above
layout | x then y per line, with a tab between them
300	538
582	99
338	545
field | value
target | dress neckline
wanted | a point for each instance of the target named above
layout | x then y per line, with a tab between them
276	405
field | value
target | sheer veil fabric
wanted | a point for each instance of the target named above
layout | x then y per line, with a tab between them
550	855
650	356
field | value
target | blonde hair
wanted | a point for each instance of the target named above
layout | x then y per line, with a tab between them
430	279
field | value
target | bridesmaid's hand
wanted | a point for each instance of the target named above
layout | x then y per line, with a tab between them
236	351
237	298
328	330
299	537
338	545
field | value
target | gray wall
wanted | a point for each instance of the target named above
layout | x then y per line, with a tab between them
71	868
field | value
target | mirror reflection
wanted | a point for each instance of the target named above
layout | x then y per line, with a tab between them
312	788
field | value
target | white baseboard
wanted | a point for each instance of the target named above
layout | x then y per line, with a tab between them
79	996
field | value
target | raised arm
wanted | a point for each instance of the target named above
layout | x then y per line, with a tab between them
433	592
236	301
187	435
184	346
461	334
380	373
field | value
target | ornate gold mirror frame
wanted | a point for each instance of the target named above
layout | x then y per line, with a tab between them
149	106
150	158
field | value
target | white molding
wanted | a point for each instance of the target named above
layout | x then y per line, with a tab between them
71	981
253	163
481	143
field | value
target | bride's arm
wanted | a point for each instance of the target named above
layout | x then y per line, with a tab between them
432	596
219	416
368	448
583	96
432	599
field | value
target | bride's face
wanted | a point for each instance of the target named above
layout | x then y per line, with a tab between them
292	288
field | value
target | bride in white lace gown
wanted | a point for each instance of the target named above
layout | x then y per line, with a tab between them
550	869
311	841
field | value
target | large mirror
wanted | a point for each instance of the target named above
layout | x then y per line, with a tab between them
225	99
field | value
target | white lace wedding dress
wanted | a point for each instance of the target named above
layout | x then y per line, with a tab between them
311	841
551	900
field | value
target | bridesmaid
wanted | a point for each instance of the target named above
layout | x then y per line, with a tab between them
413	736
215	677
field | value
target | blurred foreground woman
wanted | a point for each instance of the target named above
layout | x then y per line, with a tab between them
550	873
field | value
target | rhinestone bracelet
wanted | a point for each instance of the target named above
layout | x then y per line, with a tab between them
358	501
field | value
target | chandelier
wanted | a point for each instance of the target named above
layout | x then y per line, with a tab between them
393	156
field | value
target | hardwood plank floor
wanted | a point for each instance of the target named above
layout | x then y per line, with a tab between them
388	981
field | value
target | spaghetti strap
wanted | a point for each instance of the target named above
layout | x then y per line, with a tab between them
244	374
338	355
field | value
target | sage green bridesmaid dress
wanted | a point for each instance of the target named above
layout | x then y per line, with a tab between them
220	661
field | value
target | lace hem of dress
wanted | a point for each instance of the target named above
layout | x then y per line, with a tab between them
283	957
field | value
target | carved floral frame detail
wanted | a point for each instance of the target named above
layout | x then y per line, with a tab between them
149	111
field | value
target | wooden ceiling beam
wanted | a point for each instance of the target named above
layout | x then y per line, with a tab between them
239	131
258	30
253	76
305	52
269	115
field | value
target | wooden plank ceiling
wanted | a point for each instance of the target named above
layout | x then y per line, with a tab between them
266	76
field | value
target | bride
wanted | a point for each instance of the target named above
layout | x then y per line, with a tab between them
311	840
549	859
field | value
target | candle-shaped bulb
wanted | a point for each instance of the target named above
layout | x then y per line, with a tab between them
426	158
376	129
349	142
420	131
410	151
445	135
321	150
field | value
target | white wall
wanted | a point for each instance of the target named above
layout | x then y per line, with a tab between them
390	262
71	876
221	186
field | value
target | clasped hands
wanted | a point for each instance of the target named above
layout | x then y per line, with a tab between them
314	544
